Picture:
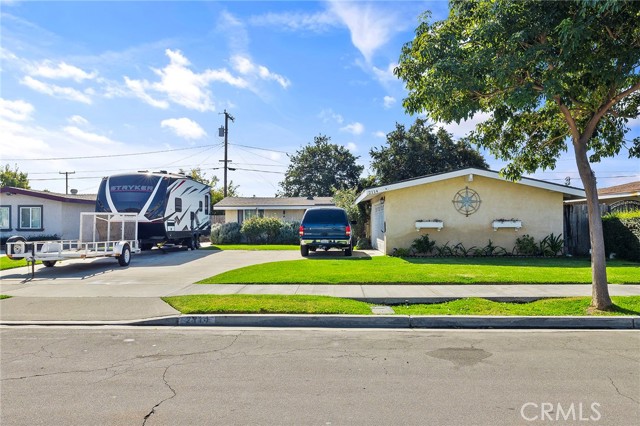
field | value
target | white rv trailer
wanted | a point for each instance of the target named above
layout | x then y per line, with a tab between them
101	235
171	208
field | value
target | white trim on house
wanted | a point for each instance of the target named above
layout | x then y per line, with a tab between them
370	193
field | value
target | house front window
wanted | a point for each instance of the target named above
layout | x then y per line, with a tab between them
30	217
248	214
5	218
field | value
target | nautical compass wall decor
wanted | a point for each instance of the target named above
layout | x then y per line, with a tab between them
466	201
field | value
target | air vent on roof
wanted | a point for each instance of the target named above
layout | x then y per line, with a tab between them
310	197
74	192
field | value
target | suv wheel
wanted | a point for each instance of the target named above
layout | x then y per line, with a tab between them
304	251
348	251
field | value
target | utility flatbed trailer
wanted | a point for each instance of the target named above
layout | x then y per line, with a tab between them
101	235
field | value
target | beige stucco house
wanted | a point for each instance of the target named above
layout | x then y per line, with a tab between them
288	209
32	213
469	206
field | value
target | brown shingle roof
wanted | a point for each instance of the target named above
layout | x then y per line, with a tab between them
625	188
283	202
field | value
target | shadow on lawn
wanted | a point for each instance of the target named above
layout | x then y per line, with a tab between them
337	255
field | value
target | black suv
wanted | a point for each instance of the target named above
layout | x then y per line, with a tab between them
325	228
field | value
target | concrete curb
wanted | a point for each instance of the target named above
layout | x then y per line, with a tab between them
362	321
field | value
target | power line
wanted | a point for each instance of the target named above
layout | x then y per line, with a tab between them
262	149
109	155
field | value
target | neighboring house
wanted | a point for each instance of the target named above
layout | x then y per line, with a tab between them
31	213
288	209
621	197
469	206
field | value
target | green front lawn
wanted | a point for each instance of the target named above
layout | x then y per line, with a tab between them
252	247
4	296
392	270
278	304
266	304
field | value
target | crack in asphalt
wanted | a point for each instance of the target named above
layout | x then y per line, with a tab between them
620	393
173	391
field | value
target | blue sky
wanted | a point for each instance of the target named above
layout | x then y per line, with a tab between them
102	80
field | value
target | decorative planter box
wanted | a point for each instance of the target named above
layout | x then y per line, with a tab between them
429	224
516	224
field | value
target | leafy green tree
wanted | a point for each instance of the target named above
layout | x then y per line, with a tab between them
421	151
549	73
14	178
217	192
319	168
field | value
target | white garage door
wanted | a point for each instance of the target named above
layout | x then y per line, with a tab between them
378	227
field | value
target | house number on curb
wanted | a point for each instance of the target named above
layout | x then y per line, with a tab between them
466	201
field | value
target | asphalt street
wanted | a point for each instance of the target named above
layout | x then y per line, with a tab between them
204	376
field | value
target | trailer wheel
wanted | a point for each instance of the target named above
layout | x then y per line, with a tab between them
19	246
196	242
49	263
125	257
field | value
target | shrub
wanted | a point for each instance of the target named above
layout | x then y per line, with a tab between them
261	230
423	244
526	245
289	233
444	250
460	250
401	252
622	235
226	233
551	245
363	244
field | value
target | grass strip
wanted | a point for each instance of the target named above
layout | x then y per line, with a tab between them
252	247
571	306
298	304
392	270
4	296
6	263
266	304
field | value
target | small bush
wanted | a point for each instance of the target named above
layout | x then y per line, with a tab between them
401	252
460	250
551	245
261	230
526	246
423	245
363	244
622	235
289	233
226	233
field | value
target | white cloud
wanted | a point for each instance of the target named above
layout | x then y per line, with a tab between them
181	85
56	91
83	136
327	115
297	21
62	70
371	27
389	101
352	147
184	127
245	66
17	110
380	134
78	120
466	126
385	75
353	128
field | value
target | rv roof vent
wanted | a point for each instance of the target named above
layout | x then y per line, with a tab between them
163	172
74	192
310	197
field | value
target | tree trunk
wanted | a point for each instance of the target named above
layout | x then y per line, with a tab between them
599	291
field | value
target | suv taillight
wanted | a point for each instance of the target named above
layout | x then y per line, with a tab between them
301	230
347	230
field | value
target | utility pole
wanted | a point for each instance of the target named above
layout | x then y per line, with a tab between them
227	117
67	180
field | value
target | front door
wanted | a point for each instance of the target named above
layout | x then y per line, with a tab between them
378	227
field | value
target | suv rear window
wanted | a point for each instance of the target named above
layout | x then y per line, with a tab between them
325	216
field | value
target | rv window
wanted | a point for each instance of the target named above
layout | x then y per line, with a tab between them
206	204
199	206
178	204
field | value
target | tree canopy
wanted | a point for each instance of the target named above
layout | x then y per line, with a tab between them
14	177
547	73
319	168
217	193
419	151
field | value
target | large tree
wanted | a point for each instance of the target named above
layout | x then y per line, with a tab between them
319	168
15	177
419	151
217	192
549	74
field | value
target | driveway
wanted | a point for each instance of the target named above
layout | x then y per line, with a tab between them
150	274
